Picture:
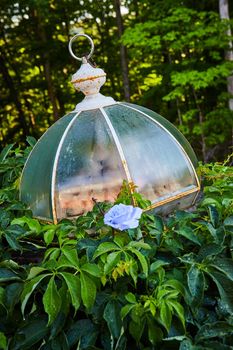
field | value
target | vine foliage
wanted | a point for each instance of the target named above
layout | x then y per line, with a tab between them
80	285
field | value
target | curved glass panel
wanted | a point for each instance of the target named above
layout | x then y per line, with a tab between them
89	166
177	204
157	164
171	128
35	187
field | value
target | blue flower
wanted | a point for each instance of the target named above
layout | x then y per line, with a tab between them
123	216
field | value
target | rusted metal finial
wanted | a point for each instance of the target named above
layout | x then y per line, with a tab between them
89	80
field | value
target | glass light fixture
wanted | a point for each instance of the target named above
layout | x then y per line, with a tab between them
86	155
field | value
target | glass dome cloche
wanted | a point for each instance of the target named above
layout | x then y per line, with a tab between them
88	153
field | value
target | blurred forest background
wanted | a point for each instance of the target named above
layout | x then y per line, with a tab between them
172	56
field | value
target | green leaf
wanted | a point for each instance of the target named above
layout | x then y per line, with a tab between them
188	258
74	287
6	150
63	262
52	253
225	287
166	293
121	239
126	310
105	248
165	315
196	284
136	329
173	295
139	245
48	236
29	334
152	308
228	221
31	141
33	224
65	298
12	265
161	274
2	297
156	264
71	255
224	265
133	270
3	341
130	297
8	275
209	250
155	334
175	284
215	345
179	310
58	325
112	316
12	295
29	287
112	260
184	216
142	260
12	241
89	245
88	290
187	345
158	223
176	337
34	271
82	332
216	233
92	269
51	300
187	232
212	330
214	216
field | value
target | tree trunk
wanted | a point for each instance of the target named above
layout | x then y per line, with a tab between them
136	8
51	92
14	94
201	122
123	51
47	67
178	111
224	14
177	101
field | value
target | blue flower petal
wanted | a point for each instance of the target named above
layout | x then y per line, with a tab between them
123	217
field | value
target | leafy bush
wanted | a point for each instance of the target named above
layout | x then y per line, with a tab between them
81	285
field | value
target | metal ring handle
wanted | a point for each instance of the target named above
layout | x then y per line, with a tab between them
70	46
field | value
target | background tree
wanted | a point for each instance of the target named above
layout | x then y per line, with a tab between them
176	63
225	15
182	56
123	51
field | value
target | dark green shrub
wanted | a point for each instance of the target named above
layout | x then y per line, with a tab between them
80	285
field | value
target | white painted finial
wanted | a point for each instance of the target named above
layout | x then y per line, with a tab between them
89	79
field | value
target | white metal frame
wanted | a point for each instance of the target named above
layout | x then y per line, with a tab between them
54	172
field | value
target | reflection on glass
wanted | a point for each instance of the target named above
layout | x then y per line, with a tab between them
89	166
157	164
178	204
171	128
36	179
